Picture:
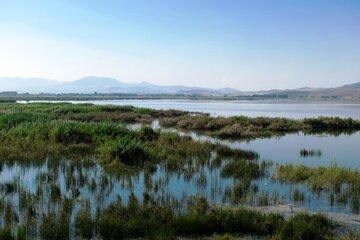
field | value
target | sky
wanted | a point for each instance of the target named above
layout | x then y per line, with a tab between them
245	44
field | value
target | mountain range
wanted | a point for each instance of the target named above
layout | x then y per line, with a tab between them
103	85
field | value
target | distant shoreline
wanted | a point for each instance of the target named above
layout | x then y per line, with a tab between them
108	97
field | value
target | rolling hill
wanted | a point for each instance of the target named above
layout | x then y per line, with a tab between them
103	85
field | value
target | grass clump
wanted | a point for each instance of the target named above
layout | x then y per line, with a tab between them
241	127
124	150
132	221
13	119
242	169
5	233
72	133
339	182
56	225
84	223
200	219
298	196
319	178
304	226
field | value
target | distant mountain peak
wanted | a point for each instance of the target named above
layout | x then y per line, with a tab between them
91	84
96	81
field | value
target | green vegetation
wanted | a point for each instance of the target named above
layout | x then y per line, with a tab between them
84	223
197	221
86	161
340	183
298	196
245	127
166	221
238	127
301	226
15	113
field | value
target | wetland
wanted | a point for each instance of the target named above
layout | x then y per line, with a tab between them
84	171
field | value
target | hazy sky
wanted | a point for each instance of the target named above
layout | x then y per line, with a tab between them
250	45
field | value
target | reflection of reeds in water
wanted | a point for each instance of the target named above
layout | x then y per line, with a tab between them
62	186
339	183
310	153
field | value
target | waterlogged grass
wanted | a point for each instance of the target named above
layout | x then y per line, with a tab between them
68	196
236	127
341	184
31	134
16	113
115	146
246	127
152	221
301	226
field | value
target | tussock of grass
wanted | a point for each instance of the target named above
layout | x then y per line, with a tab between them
135	220
342	182
244	127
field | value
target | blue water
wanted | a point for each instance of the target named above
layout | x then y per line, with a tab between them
296	110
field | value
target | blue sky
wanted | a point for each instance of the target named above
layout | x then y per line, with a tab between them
249	45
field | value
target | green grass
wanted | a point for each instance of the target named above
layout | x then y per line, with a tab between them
241	127
237	127
116	147
200	219
153	221
340	183
305	227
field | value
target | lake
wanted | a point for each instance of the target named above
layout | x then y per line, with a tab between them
297	110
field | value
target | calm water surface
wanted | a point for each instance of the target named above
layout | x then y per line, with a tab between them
296	110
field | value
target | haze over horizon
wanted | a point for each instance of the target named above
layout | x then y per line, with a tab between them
15	78
247	45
